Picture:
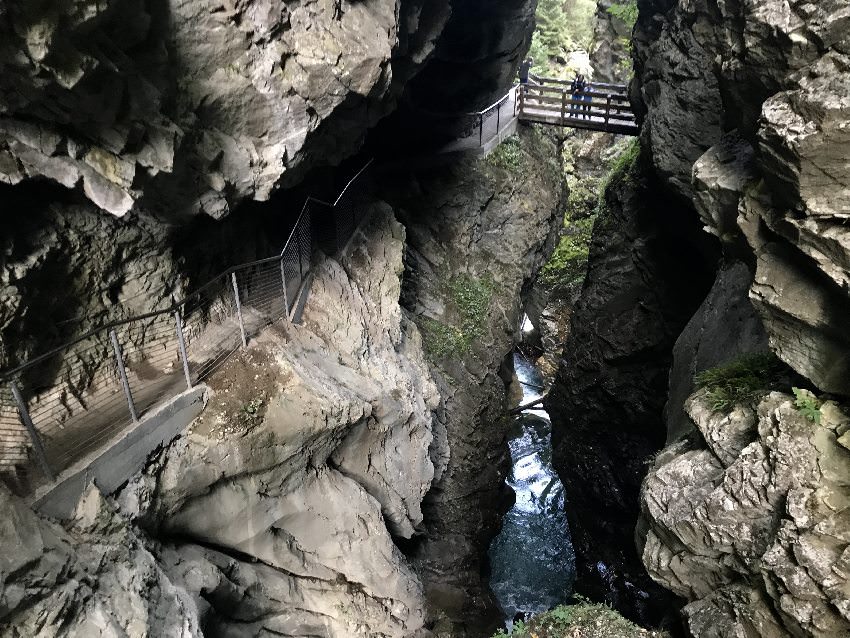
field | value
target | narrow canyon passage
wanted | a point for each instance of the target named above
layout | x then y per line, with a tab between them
265	269
532	559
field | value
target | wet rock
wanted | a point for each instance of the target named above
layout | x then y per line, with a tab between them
749	528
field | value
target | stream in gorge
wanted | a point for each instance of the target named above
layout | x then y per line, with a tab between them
532	560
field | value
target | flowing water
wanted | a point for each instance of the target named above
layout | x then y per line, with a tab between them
532	560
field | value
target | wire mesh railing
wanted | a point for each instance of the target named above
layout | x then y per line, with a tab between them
473	130
65	404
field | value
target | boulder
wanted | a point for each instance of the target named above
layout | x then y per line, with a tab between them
750	524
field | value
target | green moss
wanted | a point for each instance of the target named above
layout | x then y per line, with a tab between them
583	198
623	169
508	156
583	620
441	340
741	382
568	263
626	10
469	299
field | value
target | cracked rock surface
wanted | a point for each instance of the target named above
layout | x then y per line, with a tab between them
288	510
188	107
750	523
93	577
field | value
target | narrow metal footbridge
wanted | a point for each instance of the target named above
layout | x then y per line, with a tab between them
600	107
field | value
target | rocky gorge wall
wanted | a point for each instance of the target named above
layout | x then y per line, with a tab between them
774	187
744	110
181	108
345	476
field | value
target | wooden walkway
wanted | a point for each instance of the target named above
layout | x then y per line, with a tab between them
550	101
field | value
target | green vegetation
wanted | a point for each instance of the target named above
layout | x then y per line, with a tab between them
568	263
623	169
562	27
807	404
250	412
583	620
741	382
471	299
626	11
508	156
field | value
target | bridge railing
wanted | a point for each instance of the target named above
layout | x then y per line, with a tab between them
601	109
618	89
473	129
63	405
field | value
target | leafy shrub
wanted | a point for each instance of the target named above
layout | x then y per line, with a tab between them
626	11
471	298
507	156
582	620
807	404
741	382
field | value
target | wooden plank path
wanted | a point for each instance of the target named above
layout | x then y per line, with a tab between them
550	101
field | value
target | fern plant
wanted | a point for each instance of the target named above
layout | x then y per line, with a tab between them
807	404
740	382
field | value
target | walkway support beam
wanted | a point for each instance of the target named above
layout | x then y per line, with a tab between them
122	373
37	447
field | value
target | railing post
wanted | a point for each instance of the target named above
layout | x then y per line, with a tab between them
30	426
283	284
122	373
181	342
239	310
607	111
297	236
563	107
498	118
480	129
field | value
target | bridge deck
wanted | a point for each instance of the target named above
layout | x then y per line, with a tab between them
601	107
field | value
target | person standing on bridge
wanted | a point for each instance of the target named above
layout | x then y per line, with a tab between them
577	89
524	70
586	90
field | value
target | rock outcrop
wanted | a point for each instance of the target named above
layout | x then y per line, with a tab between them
184	109
94	576
745	115
294	504
327	487
609	55
750	523
776	75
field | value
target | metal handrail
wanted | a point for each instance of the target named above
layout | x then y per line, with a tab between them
8	375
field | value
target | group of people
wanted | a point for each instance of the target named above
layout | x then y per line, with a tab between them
579	88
